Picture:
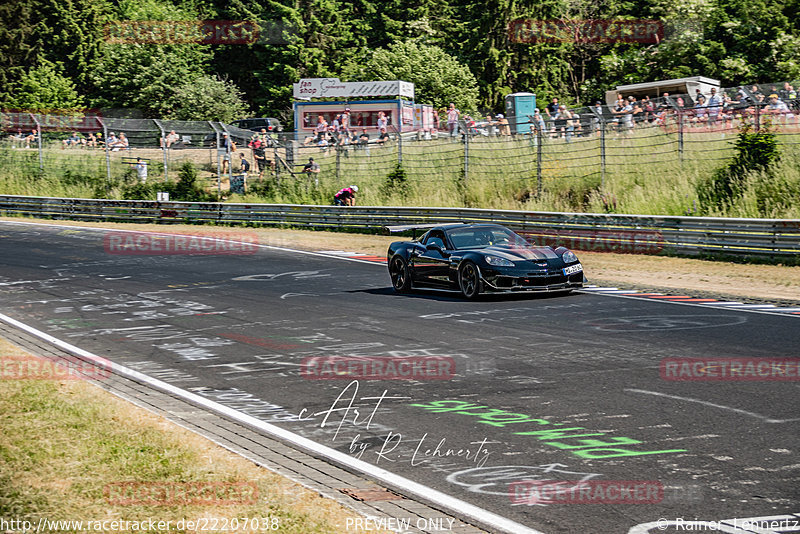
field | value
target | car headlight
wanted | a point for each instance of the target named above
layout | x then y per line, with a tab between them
569	257
497	261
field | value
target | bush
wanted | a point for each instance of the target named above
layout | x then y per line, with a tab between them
396	183
186	190
756	152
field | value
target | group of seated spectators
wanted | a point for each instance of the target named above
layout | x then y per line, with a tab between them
716	108
91	140
75	139
340	134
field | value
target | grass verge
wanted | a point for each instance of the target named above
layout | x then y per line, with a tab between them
63	442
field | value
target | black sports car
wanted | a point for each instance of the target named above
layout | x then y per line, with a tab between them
476	258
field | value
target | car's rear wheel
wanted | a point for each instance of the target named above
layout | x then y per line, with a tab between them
469	280
398	271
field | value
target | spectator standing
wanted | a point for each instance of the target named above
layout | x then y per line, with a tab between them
502	125
346	121
638	112
383	137
649	109
537	126
452	120
714	106
559	122
265	137
700	111
627	114
321	127
141	169
552	108
569	123
227	146
346	196
259	157
383	122
617	112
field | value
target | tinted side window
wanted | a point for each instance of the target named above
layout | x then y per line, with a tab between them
436	237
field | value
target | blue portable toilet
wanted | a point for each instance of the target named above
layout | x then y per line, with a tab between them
518	107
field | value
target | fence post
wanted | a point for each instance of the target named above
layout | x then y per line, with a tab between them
38	139
758	117
277	166
163	146
680	134
338	162
216	152
466	156
539	141
602	154
400	147
108	159
230	161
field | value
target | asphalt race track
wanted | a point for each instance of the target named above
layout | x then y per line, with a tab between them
519	388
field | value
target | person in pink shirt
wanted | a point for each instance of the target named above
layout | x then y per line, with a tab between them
452	120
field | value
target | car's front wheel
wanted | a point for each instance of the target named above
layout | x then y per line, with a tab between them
399	272
469	280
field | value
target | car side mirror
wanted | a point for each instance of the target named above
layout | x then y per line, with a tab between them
433	246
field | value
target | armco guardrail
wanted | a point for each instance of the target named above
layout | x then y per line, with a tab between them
644	234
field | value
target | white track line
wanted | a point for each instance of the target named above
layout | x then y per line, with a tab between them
711	404
453	505
768	309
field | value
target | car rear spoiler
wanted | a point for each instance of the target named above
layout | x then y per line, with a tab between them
388	230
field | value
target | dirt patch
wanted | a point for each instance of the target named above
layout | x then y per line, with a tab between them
763	283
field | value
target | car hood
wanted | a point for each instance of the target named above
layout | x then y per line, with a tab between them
517	253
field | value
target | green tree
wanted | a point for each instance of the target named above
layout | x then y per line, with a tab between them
66	32
45	89
438	77
146	76
309	38
207	98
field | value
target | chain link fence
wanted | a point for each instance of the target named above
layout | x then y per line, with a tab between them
588	143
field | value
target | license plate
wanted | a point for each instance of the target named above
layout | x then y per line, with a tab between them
572	269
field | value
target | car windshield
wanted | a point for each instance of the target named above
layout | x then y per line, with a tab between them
485	236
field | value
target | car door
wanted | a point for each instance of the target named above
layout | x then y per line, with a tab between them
431	265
